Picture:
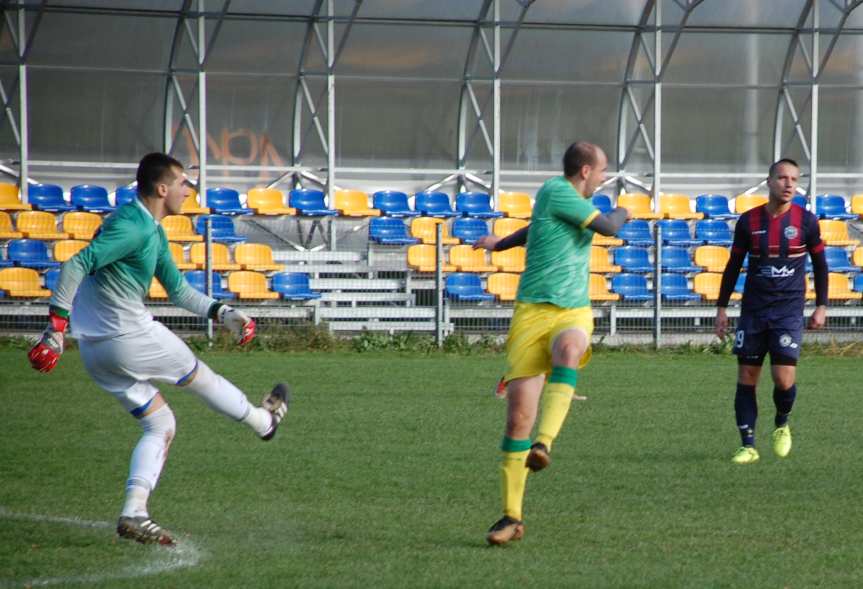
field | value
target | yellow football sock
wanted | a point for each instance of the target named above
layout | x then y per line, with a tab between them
556	400
513	475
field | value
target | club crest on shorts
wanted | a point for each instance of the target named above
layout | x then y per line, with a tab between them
790	232
785	340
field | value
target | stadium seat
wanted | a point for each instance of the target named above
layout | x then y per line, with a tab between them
638	205
66	248
81	225
125	194
7	230
250	285
48	197
713	232
503	285
39	225
198	280
221	257
177	254
741	282
468	259
87	197
516	205
801	201
157	291
606	240
856	205
294	286
223	228
602	202
676	259
676	232
838	288
832	232
390	231
191	206
832	206
52	278
421	258
30	253
810	292
857	257
675	287
226	201
468	229
635	232
677	206
179	228
708	284
858	283
268	201
633	259
712	257
837	260
744	202
714	206
434	204
461	286
475	204
393	203
631	287
511	260
423	228
600	261
598	289
309	203
504	227
354	203
10	200
22	282
256	256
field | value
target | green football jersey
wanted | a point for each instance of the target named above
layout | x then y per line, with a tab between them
557	270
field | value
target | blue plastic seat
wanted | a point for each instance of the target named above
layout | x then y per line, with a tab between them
52	277
475	204
838	261
636	232
464	286
223	228
741	282
858	283
226	201
676	259
713	232
294	286
47	197
800	201
832	206
602	202
125	195
310	203
197	279
676	232
434	204
88	197
390	231
631	287
675	287
30	253
632	259
469	230
393	203
714	206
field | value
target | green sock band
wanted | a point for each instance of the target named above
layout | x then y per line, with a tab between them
565	375
510	445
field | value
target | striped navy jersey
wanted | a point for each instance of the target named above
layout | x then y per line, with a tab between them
777	248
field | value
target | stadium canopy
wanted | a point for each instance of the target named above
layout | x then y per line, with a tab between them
477	93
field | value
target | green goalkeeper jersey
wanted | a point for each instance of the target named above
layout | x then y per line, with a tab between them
105	284
557	270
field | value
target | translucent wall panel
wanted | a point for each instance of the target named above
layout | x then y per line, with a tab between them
728	13
121	4
8	145
294	7
846	63
618	12
840	148
728	58
256	46
569	55
463	9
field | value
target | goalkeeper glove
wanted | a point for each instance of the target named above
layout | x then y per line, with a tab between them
240	324
45	354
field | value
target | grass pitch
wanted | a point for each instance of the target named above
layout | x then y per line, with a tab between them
387	476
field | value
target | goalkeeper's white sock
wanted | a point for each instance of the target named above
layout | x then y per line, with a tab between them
148	458
224	397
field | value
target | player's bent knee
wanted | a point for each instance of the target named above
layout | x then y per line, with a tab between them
161	422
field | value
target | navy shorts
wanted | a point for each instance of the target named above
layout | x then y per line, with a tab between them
780	336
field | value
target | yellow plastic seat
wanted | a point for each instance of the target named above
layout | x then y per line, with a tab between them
354	203
857	258
179	228
65	249
598	289
81	225
268	201
503	285
256	256
833	232
7	230
467	259
421	258
423	228
839	288
179	257
712	257
191	206
677	206
606	240
10	199
511	260
250	285
22	282
221	257
639	205
600	261
504	227
157	291
39	225
516	205
707	284
744	202
856	205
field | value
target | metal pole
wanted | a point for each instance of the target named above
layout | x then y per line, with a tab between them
331	105
23	107
208	247
202	106
438	285
495	158
813	123
657	169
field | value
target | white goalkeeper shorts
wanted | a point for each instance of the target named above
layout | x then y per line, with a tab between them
125	365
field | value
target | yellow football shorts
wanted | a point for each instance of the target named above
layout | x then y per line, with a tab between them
531	335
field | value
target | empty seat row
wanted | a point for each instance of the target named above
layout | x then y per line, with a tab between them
248	285
43	225
465	258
